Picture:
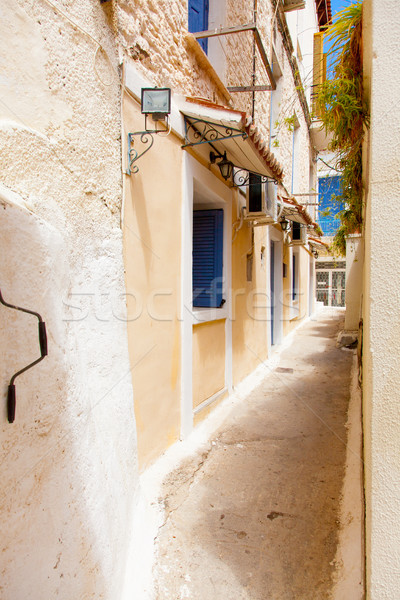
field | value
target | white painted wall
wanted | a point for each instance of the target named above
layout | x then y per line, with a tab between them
381	374
217	45
302	25
68	463
354	278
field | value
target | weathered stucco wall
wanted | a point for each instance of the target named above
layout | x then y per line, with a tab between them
153	34
68	463
381	304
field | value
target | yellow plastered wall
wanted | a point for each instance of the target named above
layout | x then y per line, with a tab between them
152	254
208	360
249	300
292	315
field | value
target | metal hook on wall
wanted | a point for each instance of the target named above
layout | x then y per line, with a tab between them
11	397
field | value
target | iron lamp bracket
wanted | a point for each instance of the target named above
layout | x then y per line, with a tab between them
11	396
145	139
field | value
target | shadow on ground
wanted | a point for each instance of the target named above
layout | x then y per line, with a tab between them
255	516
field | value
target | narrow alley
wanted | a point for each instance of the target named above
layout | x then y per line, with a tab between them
255	514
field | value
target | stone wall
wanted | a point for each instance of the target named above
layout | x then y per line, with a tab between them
68	462
152	35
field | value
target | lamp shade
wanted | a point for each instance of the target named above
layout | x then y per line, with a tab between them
285	225
225	166
156	100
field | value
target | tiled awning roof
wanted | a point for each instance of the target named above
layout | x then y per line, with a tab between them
293	211
318	242
210	126
229	131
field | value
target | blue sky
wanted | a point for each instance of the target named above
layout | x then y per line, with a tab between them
336	5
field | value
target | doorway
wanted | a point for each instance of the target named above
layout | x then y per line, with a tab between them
272	288
275	283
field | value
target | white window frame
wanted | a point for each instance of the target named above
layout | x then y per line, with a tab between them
201	188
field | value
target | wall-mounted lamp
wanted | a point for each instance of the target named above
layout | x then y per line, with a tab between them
157	103
315	253
285	224
225	165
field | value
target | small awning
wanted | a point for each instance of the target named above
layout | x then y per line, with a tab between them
210	127
293	211
320	243
213	128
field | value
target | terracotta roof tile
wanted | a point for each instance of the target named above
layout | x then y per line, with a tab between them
261	146
304	213
253	133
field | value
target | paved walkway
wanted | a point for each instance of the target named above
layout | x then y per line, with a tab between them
255	515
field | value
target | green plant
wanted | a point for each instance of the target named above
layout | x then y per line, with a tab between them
290	122
344	113
326	213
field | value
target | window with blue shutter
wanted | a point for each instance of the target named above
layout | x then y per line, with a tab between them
198	19
208	248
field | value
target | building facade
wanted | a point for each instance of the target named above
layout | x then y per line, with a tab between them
109	240
379	301
235	92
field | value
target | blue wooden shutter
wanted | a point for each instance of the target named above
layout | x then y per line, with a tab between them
198	19
207	257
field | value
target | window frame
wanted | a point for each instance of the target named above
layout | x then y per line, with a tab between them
203	314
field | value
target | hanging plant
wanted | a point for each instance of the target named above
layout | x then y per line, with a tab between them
344	113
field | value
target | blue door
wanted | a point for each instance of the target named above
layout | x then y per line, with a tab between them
198	19
272	286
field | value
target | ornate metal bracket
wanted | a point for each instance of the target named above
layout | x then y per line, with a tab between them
241	177
11	398
199	131
146	139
